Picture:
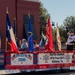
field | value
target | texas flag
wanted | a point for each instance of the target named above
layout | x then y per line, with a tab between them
10	35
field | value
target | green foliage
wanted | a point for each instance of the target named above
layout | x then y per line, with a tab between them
62	33
69	22
68	25
43	18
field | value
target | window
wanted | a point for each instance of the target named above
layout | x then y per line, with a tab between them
32	25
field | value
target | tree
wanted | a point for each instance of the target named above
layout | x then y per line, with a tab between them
43	18
62	32
69	23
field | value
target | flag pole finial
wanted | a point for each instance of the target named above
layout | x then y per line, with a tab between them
28	13
7	10
15	18
57	24
49	16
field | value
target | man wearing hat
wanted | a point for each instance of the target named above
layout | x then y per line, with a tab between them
70	41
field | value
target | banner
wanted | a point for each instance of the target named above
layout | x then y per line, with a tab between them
22	59
54	58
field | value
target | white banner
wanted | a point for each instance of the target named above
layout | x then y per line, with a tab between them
54	58
22	59
44	58
60	58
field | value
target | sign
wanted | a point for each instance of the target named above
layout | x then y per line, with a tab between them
60	58
54	58
21	59
44	58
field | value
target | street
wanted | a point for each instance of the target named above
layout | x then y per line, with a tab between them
69	73
47	73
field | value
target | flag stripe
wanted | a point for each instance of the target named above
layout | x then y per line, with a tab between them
10	35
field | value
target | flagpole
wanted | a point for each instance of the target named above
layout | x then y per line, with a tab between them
54	29
0	39
6	45
6	37
30	34
49	45
55	36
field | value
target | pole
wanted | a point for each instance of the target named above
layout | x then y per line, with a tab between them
55	37
54	34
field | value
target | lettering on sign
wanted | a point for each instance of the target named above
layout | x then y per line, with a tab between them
60	58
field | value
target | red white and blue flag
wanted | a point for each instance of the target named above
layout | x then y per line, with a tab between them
10	35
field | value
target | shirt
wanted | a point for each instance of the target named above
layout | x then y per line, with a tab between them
70	39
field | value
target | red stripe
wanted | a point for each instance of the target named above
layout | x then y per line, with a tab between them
1	61
13	47
35	60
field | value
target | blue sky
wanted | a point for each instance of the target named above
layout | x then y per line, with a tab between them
59	9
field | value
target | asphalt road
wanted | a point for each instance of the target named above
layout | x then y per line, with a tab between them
47	73
69	73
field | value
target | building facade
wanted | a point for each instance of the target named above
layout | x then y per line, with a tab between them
19	9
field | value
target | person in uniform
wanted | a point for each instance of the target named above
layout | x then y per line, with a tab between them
71	40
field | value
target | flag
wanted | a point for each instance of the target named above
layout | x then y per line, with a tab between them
58	37
44	36
15	32
30	35
46	42
49	45
43	39
41	43
0	39
10	38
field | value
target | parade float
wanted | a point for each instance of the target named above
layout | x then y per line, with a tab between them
37	60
